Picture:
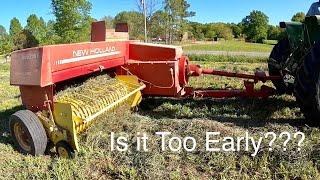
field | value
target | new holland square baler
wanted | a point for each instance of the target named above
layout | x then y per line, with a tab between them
138	69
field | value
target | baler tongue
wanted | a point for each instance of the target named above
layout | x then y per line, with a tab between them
94	97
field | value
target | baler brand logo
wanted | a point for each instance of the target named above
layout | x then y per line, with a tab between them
30	56
87	54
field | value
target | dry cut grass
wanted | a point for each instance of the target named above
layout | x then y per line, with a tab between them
182	117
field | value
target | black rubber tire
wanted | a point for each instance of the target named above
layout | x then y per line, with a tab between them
69	151
279	54
35	132
307	86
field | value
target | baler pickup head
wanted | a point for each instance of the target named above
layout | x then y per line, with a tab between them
77	108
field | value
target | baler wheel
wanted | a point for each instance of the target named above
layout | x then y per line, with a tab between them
307	86
64	150
280	54
30	136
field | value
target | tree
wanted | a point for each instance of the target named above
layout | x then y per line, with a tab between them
19	41
256	26
16	34
5	42
208	31
236	30
3	31
6	45
298	17
177	11
158	24
28	40
15	27
275	33
135	22
152	6
51	36
37	28
109	21
72	20
197	30
222	30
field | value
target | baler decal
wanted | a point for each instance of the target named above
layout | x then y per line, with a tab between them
77	59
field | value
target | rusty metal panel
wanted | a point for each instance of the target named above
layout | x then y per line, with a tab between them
98	31
154	52
34	97
26	67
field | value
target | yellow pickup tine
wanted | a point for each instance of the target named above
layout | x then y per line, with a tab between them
88	102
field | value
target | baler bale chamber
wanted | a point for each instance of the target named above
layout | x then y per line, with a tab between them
57	116
41	73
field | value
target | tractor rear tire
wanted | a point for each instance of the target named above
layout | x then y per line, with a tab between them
30	136
307	86
280	54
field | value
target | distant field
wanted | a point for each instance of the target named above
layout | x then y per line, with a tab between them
187	117
236	46
232	59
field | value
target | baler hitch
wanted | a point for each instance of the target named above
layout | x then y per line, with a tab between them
249	84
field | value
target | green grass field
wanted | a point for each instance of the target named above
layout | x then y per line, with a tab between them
184	117
236	46
232	59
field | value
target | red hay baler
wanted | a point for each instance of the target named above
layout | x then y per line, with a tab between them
140	69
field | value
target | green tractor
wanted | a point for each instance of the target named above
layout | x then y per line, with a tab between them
296	59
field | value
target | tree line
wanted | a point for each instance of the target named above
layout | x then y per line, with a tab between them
72	24
167	20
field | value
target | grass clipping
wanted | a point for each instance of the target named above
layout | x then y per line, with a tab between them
93	95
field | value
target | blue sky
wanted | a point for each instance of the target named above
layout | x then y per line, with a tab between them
207	10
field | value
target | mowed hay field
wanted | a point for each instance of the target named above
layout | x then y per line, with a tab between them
232	45
184	117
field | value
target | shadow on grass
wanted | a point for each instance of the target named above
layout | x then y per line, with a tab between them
244	112
4	124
